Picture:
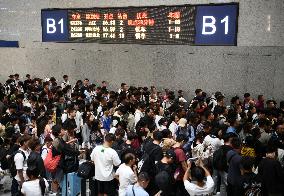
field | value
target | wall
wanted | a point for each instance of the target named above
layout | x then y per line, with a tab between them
255	65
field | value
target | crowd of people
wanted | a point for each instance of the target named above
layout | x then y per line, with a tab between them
138	141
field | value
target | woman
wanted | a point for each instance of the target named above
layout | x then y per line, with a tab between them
35	186
86	131
198	173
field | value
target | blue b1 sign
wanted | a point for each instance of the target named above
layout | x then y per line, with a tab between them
54	26
216	25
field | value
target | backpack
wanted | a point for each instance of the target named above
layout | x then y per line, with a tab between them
147	164
252	187
70	164
51	162
86	170
13	170
220	160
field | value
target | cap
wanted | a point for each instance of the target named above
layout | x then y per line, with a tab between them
171	154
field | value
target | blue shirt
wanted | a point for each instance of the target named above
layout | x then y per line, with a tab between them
231	130
138	191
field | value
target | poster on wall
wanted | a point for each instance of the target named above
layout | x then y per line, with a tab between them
178	25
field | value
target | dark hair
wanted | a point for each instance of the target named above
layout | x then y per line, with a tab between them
228	136
143	176
131	136
129	157
56	129
23	139
65	76
246	95
198	91
110	137
234	99
123	84
198	173
158	135
33	144
180	138
119	132
247	163
236	143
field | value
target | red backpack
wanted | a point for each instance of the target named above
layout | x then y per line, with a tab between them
51	162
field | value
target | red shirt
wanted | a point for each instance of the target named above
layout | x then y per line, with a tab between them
180	157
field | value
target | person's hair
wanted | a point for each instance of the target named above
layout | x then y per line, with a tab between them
33	144
259	96
143	176
281	104
23	139
48	139
180	138
65	76
110	137
236	143
119	132
228	136
255	132
131	136
158	135
246	95
198	173
129	157
262	122
123	84
234	99
198	91
220	98
207	113
56	129
247	163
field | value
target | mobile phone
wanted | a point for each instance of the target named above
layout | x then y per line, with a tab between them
193	159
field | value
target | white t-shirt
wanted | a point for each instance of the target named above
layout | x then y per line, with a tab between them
32	188
193	189
21	163
126	177
44	152
104	159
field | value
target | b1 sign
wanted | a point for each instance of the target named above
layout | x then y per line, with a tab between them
216	25
54	25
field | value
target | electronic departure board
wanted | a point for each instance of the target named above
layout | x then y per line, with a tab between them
184	24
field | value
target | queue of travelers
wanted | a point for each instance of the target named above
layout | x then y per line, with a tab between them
138	141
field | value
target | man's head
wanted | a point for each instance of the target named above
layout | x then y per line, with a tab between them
119	133
129	159
198	173
246	96
124	87
57	131
86	82
247	164
271	103
198	92
150	112
143	179
280	129
34	145
109	139
158	136
65	78
181	139
170	156
236	143
24	141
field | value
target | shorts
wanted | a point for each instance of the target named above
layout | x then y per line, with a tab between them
106	187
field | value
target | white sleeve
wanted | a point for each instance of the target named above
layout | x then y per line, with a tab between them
115	158
92	155
23	189
133	178
117	171
210	183
189	187
44	153
19	161
137	117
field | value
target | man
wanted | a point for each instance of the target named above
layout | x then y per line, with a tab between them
145	124
181	164
65	82
138	189
234	171
260	102
165	173
123	88
220	162
126	173
139	113
20	161
263	125
105	158
277	138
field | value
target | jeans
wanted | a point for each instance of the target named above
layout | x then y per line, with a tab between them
223	185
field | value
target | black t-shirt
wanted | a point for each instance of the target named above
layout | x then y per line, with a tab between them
157	154
248	180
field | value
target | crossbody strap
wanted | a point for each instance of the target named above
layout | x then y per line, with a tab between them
133	190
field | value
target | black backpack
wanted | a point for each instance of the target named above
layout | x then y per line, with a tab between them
86	170
147	163
13	170
220	159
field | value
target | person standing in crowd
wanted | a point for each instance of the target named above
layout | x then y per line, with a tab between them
198	173
126	173
234	170
105	158
20	160
140	186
